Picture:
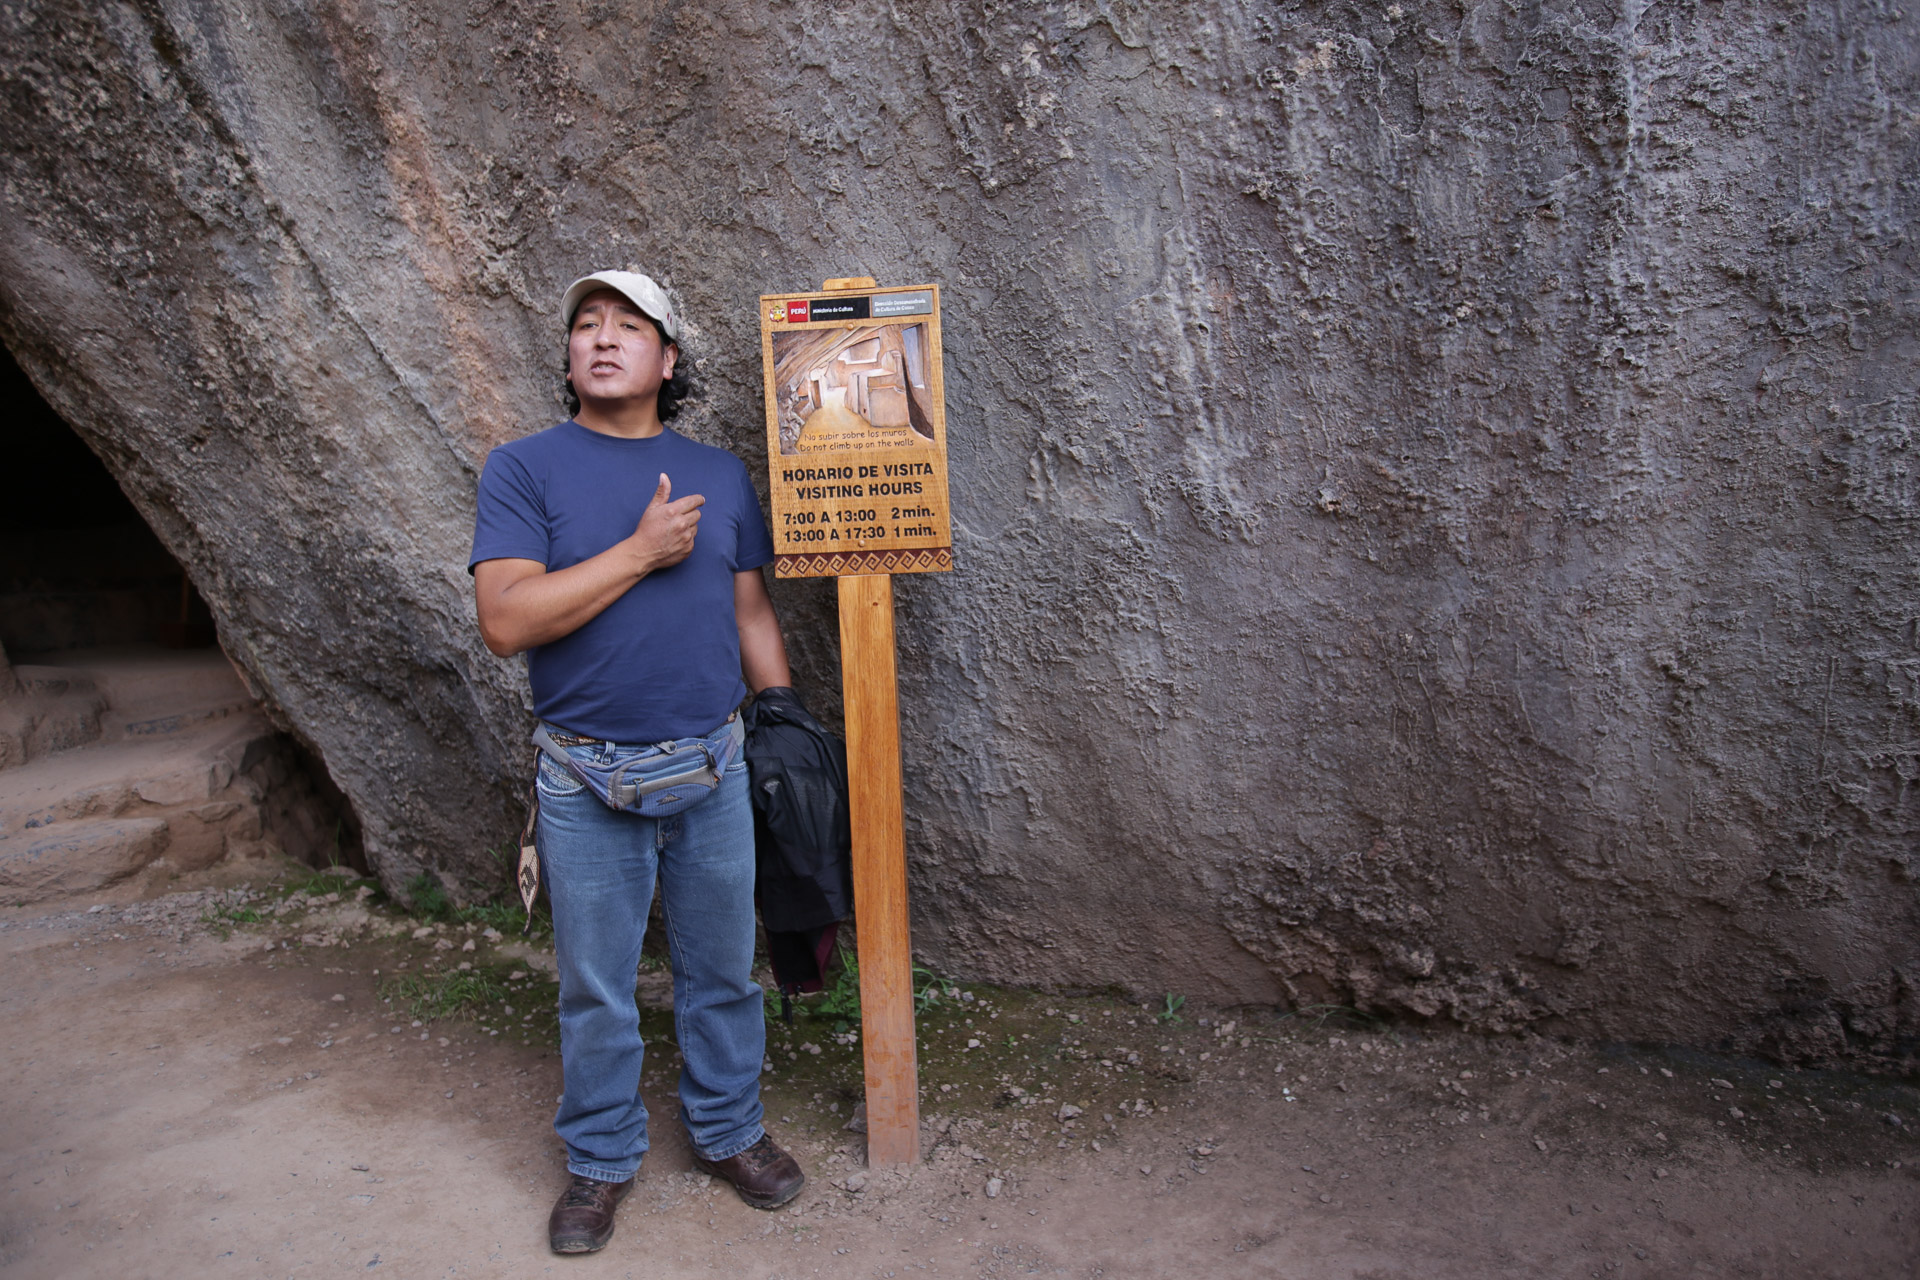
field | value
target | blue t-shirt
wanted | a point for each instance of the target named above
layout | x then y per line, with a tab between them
662	661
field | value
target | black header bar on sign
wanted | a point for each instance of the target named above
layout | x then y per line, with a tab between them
840	308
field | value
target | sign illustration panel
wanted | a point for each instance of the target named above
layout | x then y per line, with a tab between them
856	432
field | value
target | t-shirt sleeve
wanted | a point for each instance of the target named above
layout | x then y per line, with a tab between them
754	547
511	520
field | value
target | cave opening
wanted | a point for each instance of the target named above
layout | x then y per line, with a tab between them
129	745
79	568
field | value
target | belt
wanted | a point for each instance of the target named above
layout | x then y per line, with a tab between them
577	740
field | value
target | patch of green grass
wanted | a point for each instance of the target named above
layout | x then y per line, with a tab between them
838	1003
508	916
525	1010
222	917
431	996
428	900
329	880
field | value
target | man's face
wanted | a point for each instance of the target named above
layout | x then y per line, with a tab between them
614	352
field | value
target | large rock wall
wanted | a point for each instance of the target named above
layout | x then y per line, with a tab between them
1434	486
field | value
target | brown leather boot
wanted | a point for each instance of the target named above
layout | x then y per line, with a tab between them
765	1176
582	1219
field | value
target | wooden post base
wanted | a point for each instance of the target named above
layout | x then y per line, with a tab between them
879	870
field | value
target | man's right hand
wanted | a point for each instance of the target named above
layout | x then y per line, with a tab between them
665	533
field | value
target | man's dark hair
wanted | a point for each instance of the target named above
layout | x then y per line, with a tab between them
672	391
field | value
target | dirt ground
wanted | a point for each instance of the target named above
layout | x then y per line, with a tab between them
215	1083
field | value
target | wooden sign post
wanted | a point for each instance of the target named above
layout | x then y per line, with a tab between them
857	451
879	869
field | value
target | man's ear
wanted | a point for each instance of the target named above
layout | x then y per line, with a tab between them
672	358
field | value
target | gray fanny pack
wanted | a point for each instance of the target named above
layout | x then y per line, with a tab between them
657	782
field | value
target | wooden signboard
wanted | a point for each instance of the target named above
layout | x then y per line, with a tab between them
856	431
857	450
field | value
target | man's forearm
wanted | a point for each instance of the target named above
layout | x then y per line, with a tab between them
763	652
538	608
763	656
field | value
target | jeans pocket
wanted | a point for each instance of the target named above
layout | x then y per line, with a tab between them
556	780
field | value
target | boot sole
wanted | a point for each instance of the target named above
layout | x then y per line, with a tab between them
579	1246
758	1202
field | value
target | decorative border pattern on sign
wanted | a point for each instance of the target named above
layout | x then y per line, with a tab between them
837	563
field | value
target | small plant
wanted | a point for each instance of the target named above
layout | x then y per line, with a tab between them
1340	1014
1170	1015
506	857
929	989
428	897
841	999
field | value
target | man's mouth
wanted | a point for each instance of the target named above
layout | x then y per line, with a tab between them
603	366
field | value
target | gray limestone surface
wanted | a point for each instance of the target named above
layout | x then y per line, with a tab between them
1434	485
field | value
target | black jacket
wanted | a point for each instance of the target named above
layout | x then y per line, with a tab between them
803	841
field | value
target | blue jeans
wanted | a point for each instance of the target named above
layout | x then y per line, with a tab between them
599	868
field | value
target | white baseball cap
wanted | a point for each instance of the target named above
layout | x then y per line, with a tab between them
640	290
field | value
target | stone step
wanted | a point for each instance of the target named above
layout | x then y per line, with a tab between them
189	767
122	768
148	691
125	763
36	681
77	857
67	700
176	802
45	714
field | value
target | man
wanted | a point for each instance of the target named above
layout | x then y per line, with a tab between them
640	612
